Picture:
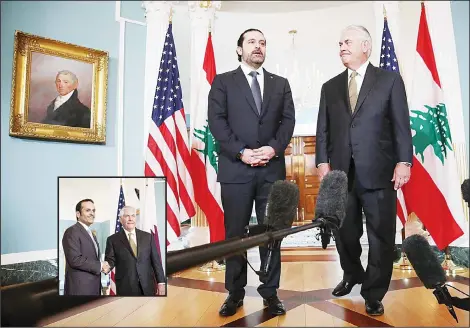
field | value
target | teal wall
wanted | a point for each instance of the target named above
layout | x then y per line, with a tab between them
29	168
460	17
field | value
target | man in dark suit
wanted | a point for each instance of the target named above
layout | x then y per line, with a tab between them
251	115
364	130
82	250
66	109
134	254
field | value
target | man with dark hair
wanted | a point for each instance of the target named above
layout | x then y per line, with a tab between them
251	115
82	254
364	130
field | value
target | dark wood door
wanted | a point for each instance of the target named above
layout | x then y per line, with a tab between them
300	169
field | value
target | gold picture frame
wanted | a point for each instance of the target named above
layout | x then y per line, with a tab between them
58	91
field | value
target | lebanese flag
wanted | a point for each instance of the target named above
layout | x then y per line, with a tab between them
204	157
433	192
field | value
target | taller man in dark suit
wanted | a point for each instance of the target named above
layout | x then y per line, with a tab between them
251	115
82	254
134	254
364	130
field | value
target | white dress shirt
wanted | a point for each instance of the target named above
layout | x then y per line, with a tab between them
60	100
361	72
260	77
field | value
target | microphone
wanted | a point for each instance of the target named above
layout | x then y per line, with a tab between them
281	208
331	204
465	187
428	269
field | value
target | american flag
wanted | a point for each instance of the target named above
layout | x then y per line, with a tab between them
121	204
388	58
167	148
389	62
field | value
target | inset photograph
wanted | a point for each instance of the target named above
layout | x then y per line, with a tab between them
112	236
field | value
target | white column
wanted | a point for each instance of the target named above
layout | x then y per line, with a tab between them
202	16
157	14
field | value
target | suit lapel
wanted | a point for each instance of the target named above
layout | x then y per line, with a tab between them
343	89
367	84
83	230
125	241
138	238
268	89
240	79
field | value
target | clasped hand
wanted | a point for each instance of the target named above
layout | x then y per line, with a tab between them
105	268
258	157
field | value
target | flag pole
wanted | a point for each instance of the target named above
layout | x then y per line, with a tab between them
211	266
402	263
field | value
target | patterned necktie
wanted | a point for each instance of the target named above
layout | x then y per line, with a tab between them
132	243
256	90
353	91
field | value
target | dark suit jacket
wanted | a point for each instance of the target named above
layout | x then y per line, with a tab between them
131	270
71	113
377	135
235	123
82	267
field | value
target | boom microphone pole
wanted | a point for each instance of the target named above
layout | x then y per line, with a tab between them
331	204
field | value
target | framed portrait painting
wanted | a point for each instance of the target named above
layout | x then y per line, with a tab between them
58	90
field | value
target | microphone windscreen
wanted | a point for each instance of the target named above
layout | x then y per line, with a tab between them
466	190
332	197
282	205
424	261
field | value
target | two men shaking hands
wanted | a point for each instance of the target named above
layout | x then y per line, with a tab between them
131	252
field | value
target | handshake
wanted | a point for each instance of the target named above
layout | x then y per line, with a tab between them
105	268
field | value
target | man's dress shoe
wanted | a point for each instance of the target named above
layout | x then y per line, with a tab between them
344	287
230	306
274	305
374	308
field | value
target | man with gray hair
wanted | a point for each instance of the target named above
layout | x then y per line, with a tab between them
364	130
134	254
66	109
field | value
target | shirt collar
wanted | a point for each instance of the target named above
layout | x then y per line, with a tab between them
66	97
128	232
247	69
87	228
361	71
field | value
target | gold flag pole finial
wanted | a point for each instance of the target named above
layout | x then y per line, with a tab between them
210	27
205	4
385	12
171	15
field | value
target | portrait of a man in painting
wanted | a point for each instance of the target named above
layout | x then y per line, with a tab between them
59	90
60	97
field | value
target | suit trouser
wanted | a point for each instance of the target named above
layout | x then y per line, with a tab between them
379	207
237	201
